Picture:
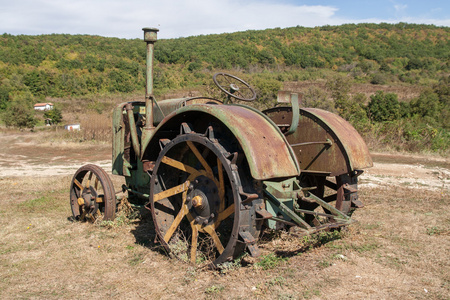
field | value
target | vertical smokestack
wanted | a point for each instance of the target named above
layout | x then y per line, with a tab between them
150	37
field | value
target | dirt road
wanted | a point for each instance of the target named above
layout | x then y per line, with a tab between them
28	155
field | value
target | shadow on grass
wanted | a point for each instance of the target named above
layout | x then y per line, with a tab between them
144	232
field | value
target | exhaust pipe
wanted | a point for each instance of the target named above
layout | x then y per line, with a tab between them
150	37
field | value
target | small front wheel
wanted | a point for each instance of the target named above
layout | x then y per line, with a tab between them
92	194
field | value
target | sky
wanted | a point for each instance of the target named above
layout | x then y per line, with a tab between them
176	18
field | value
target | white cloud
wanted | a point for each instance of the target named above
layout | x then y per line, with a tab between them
400	7
174	18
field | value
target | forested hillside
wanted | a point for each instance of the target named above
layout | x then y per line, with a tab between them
33	68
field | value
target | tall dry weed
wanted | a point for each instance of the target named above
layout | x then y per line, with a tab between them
96	127
93	127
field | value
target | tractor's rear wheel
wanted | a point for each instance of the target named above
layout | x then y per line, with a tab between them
340	191
195	196
92	194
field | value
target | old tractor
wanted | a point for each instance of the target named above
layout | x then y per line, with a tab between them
215	174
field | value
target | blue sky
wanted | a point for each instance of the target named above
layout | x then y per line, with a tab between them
175	18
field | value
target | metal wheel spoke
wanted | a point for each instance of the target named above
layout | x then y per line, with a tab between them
200	158
194	242
240	94
183	211
212	232
172	191
88	182
225	214
78	184
83	215
178	165
96	183
221	185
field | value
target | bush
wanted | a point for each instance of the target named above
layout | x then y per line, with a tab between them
317	98
383	107
55	115
378	78
426	105
19	114
266	90
340	89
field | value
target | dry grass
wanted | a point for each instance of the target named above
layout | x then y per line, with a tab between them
94	127
399	249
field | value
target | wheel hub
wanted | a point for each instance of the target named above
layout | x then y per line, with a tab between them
205	200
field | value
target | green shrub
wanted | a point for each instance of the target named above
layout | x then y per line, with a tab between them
383	107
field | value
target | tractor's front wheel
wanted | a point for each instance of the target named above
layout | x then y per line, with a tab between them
92	194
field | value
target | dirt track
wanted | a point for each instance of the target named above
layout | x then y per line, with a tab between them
25	155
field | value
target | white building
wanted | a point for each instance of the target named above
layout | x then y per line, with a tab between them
72	127
43	106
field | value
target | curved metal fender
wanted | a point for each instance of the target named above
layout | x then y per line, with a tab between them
324	142
267	151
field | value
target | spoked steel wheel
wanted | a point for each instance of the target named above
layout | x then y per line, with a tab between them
195	198
341	192
92	194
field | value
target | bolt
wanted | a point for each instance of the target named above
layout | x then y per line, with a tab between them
205	222
197	201
213	215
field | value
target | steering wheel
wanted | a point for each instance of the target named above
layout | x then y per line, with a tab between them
234	87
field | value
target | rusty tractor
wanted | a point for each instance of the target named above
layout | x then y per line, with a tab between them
215	174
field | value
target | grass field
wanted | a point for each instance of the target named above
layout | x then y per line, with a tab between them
398	249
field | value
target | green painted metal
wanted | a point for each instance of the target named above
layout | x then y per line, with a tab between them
133	130
286	210
295	114
118	160
336	212
281	201
166	107
122	163
150	37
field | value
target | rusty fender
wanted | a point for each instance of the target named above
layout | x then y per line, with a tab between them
324	142
266	149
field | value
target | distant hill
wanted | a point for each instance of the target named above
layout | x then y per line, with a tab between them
61	65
